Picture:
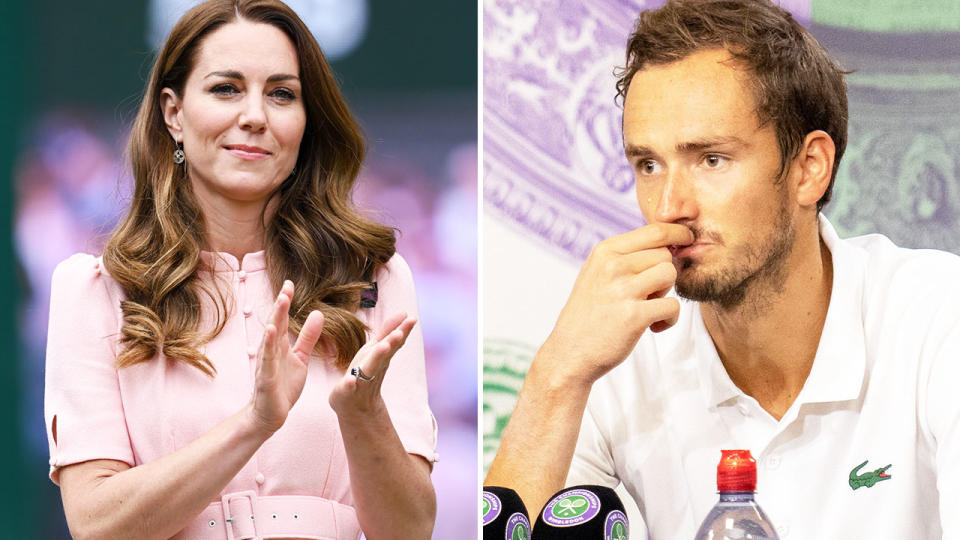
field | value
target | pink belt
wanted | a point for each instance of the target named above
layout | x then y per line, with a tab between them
243	516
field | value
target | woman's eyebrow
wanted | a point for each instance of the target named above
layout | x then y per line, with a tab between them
228	74
232	74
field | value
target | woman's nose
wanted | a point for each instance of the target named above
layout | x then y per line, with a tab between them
253	116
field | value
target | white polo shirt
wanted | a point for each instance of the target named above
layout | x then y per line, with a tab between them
884	389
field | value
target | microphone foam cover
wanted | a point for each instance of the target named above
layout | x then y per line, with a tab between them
504	515
584	513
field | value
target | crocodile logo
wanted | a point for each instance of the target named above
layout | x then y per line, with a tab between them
869	478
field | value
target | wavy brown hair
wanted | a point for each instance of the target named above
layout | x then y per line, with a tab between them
315	237
796	84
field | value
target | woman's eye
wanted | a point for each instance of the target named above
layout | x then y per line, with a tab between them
224	89
284	94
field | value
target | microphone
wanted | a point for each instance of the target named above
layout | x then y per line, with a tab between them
504	515
583	513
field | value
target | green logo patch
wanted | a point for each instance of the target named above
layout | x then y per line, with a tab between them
869	478
569	507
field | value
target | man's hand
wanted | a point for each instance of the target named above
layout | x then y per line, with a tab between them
618	294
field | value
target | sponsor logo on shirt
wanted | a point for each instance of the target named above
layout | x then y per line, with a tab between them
869	478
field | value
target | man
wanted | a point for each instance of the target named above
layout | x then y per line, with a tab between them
829	359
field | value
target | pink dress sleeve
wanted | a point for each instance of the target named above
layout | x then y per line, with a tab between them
82	406
405	384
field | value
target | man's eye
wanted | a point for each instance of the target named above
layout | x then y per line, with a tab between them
649	166
713	161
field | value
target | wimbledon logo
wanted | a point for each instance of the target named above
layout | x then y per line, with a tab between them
571	508
518	527
616	526
505	364
489	507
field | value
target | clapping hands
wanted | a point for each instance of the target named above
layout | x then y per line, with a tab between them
282	369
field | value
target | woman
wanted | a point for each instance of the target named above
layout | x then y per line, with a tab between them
211	376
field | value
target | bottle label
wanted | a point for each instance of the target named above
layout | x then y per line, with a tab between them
518	527
571	508
489	507
616	526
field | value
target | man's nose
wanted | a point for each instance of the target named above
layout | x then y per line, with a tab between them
676	198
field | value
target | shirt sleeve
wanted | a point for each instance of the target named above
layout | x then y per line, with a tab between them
592	462
942	348
405	384
82	405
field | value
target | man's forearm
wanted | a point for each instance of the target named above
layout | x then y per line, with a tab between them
538	443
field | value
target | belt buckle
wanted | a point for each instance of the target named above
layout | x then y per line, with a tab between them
229	520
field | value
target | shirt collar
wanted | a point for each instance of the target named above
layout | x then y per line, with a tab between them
222	261
840	362
713	376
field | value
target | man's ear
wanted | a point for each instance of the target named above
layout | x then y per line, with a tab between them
171	105
815	161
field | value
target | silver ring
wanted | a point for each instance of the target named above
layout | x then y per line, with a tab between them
358	373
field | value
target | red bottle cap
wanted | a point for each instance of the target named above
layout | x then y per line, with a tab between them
737	471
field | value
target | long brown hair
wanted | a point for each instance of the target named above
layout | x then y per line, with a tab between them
795	83
315	237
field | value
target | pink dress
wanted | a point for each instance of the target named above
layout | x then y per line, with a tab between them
297	484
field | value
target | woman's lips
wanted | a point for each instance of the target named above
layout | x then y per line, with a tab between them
243	151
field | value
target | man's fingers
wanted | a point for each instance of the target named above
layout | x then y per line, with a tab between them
660	326
648	283
650	236
661	313
639	261
309	334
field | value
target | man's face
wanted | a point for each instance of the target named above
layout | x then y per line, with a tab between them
702	160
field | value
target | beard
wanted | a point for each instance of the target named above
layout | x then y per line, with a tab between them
754	271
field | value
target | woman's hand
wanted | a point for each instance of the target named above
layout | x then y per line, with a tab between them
352	395
282	370
391	488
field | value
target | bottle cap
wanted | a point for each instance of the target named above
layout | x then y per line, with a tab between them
737	471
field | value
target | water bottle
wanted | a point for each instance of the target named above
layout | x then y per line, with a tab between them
737	516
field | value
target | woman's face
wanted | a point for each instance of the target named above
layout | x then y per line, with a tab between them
241	116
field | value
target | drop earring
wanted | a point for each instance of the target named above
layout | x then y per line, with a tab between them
178	155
